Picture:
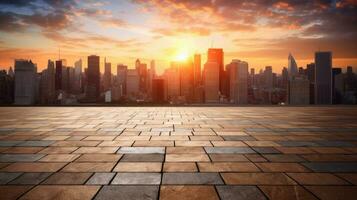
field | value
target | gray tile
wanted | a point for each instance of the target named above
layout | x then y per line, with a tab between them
128	193
36	143
137	179
9	143
68	178
239	138
7	177
20	157
191	178
284	158
329	143
331	166
265	150
141	150
100	179
240	193
229	150
142	158
297	143
31	178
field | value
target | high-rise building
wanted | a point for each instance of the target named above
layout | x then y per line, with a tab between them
78	77
299	90
197	77
172	78
143	75
151	75
211	82
51	89
132	83
25	82
6	87
158	90
323	83
285	78
93	78
268	77
336	94
58	75
238	82
122	71
107	78
292	66
186	74
216	55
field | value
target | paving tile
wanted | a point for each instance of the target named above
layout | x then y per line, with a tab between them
334	192
31	178
96	150
67	178
227	167
128	192
228	157
23	150
188	192
283	158
180	167
239	138
59	158
12	192
44	143
191	178
331	167
193	157
58	150
33	167
350	177
287	192
138	167
9	143
282	167
229	150
137	179
49	192
99	158
7	177
177	150
100	178
141	150
257	179
20	157
228	144
197	143
317	179
240	193
89	167
143	158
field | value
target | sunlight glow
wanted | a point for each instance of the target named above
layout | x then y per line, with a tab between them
182	56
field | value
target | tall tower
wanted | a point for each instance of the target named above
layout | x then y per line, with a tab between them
216	55
323	81
292	66
93	82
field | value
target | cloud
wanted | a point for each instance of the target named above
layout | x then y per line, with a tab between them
10	22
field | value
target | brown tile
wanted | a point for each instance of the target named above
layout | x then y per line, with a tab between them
188	192
261	143
99	158
187	150
193	143
228	167
334	192
23	150
255	158
89	167
228	157
295	150
180	167
58	150
228	144
282	167
12	192
100	137
204	137
96	150
50	192
155	143
119	143
33	167
76	143
317	179
330	150
56	137
138	167
185	157
257	179
59	158
67	178
350	177
286	192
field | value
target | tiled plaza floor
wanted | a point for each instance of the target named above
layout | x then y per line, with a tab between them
178	153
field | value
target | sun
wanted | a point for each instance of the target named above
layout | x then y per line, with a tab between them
182	56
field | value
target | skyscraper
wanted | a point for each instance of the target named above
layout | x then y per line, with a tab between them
58	75
211	82
51	90
25	82
107	78
186	80
216	55
172	78
143	75
121	78
323	88
238	82
292	66
299	90
93	79
78	76
158	90
132	83
197	80
336	94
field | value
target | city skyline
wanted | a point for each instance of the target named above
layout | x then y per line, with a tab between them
261	33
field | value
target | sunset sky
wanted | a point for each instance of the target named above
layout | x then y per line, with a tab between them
261	32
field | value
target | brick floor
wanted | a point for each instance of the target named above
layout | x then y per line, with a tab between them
178	153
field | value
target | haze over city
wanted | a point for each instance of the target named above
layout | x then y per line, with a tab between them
262	33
